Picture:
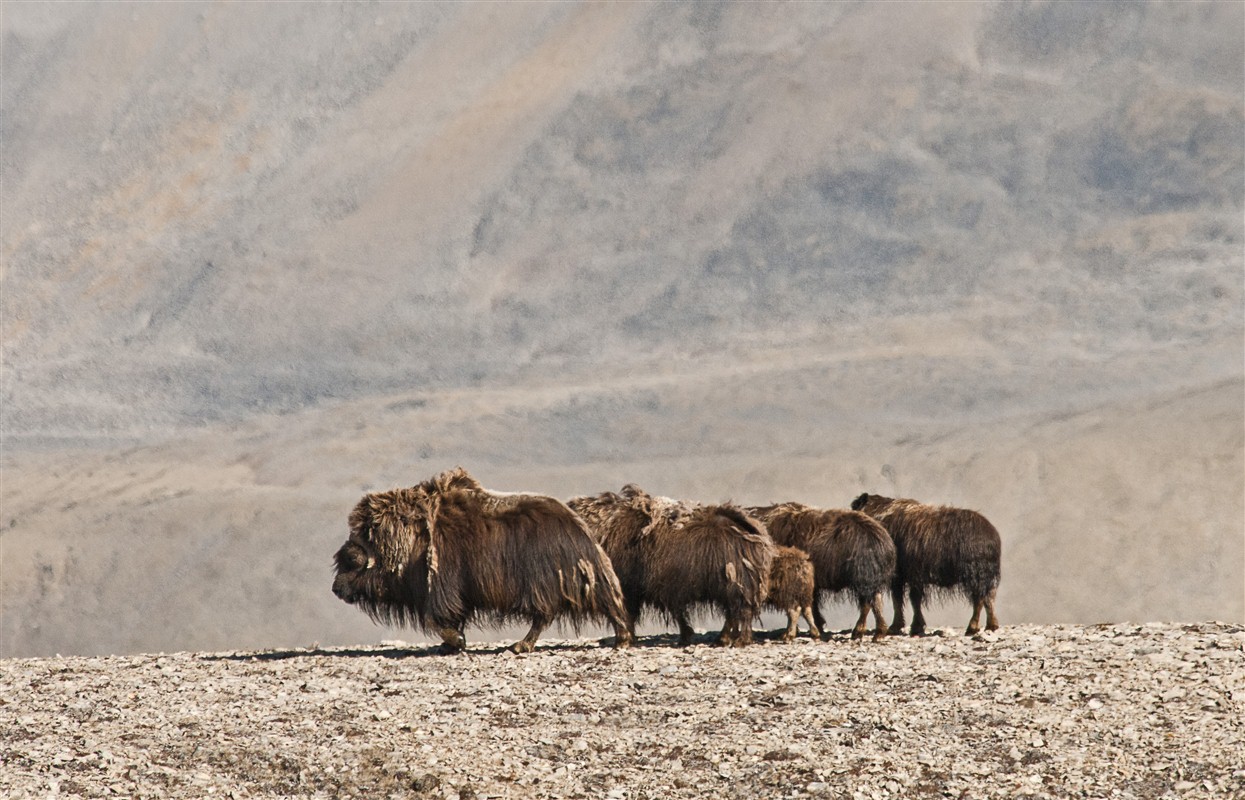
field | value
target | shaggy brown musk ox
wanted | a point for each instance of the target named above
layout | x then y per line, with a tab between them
673	557
946	548
851	554
448	552
792	590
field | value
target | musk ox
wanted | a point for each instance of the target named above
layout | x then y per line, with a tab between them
675	556
851	554
791	590
949	549
448	552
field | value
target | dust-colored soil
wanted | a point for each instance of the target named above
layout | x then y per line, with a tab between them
1039	711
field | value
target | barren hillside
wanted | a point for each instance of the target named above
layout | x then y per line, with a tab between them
260	258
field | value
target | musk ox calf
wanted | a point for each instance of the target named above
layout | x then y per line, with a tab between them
791	590
448	552
675	557
949	549
851	554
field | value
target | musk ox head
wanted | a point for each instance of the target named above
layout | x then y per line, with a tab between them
390	558
390	533
871	503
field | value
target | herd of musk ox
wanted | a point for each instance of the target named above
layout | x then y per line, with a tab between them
448	552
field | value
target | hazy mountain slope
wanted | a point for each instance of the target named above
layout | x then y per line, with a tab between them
260	258
388	196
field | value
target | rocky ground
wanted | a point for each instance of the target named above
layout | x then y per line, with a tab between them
1125	710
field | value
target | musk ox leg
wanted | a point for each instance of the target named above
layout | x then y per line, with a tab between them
973	626
452	640
793	622
739	626
862	622
813	629
992	622
897	624
685	628
623	636
981	601
880	632
633	615
624	626
528	643
916	593
819	621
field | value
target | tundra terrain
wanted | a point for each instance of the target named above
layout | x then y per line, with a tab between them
1121	711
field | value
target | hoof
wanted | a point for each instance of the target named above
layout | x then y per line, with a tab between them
623	642
522	646
896	630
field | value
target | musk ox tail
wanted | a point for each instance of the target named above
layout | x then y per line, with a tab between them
742	547
595	589
748	556
870	552
981	551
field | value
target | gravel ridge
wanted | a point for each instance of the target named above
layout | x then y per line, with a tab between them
1117	710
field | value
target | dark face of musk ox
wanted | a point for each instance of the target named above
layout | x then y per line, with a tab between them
360	579
353	563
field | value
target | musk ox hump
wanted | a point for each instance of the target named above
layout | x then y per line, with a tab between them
456	479
502	503
666	513
633	492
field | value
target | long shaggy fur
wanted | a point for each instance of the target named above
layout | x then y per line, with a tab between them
675	556
940	548
448	552
791	589
851	553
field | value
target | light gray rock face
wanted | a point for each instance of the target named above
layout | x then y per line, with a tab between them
1127	711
